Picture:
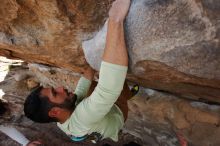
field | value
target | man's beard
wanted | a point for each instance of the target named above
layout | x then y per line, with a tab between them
69	103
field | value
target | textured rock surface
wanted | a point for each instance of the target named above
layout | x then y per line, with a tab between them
163	116
173	44
49	32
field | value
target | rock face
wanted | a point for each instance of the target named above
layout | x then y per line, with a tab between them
196	122
159	118
173	44
49	32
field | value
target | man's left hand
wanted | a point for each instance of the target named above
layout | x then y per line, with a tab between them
34	143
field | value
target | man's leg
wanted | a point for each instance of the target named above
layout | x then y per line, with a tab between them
122	101
115	61
115	50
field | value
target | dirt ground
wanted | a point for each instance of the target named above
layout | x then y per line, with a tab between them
14	92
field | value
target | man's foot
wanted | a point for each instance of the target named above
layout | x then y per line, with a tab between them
134	90
119	10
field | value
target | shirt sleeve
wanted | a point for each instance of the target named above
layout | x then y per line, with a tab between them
95	107
82	88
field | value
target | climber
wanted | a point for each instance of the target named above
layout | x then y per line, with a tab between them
12	132
102	114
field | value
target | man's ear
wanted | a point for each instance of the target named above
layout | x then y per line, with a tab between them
54	112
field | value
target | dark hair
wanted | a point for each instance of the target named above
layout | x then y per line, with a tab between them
37	107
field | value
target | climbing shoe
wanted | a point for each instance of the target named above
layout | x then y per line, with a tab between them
134	90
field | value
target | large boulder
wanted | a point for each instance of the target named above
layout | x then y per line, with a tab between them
173	44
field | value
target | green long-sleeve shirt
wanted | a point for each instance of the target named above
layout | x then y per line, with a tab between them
98	113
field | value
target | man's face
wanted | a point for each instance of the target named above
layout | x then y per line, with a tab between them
59	96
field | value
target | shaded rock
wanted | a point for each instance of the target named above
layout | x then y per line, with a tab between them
55	77
162	116
49	32
22	75
32	83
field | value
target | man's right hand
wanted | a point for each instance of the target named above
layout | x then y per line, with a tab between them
119	10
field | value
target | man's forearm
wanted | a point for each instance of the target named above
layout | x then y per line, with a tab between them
115	51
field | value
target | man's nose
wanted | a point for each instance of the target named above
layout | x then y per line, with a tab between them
60	89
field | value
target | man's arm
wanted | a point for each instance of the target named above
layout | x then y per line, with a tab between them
115	51
112	73
84	83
